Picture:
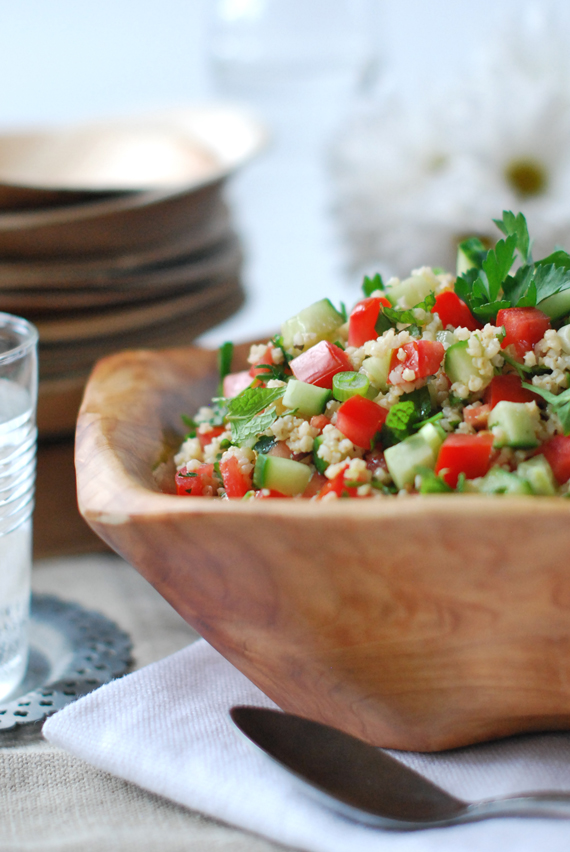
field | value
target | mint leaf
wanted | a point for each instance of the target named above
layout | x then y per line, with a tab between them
403	417
251	401
407	316
247	430
516	226
369	285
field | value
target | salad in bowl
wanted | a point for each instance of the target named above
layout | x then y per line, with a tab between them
437	383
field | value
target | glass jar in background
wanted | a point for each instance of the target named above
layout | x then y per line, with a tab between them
18	438
297	64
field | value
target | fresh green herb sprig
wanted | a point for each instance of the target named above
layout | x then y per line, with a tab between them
370	285
560	404
407	415
225	355
408	316
431	483
251	412
489	286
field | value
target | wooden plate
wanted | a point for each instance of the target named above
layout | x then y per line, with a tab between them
211	305
145	285
108	228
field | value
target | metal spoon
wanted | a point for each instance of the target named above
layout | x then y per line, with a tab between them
365	784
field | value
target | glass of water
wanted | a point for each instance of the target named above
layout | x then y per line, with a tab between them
18	438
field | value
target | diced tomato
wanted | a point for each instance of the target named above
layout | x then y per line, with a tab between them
468	454
319	421
236	482
453	311
359	419
320	363
194	482
557	453
362	320
256	369
235	383
524	328
477	415
317	482
508	388
206	438
280	449
422	356
259	495
339	486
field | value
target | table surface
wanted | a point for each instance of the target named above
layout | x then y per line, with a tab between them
50	800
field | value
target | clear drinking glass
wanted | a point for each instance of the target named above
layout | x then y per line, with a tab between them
18	438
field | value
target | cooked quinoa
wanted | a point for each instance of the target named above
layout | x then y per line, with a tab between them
434	384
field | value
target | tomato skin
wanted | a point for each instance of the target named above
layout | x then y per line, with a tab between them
235	383
359	419
557	453
319	421
194	486
206	438
362	320
236	482
424	357
477	416
468	454
320	363
453	311
338	486
524	328
256	370
508	388
317	482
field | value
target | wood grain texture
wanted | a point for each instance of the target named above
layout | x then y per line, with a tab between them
422	624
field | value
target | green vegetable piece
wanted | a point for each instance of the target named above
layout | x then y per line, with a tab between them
225	355
458	364
278	474
412	290
320	319
349	384
434	435
512	426
470	255
264	444
404	459
500	481
377	368
370	285
431	483
539	475
306	399
320	464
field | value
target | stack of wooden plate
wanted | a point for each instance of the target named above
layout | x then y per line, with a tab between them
117	236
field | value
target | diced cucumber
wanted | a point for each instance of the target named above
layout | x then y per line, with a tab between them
405	458
556	306
377	368
445	337
458	364
320	464
284	475
500	481
321	319
412	290
539	474
512	425
434	435
307	399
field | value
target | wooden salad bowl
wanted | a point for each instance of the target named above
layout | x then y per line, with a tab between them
423	623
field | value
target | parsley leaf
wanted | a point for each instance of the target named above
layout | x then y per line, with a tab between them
343	312
516	226
278	343
369	285
408	317
497	266
431	483
191	424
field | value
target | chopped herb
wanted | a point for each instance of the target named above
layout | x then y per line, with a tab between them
188	473
343	312
272	371
340	344
191	424
265	444
370	285
560	403
461	480
277	342
474	251
433	419
431	483
515	226
251	401
422	401
247	430
455	401
408	317
217	470
225	444
438	270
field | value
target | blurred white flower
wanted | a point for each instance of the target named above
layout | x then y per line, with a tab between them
410	184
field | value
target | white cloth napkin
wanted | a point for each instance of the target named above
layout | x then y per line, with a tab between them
167	729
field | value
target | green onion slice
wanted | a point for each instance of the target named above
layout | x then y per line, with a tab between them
347	384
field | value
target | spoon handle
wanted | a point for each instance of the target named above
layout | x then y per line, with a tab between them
547	803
